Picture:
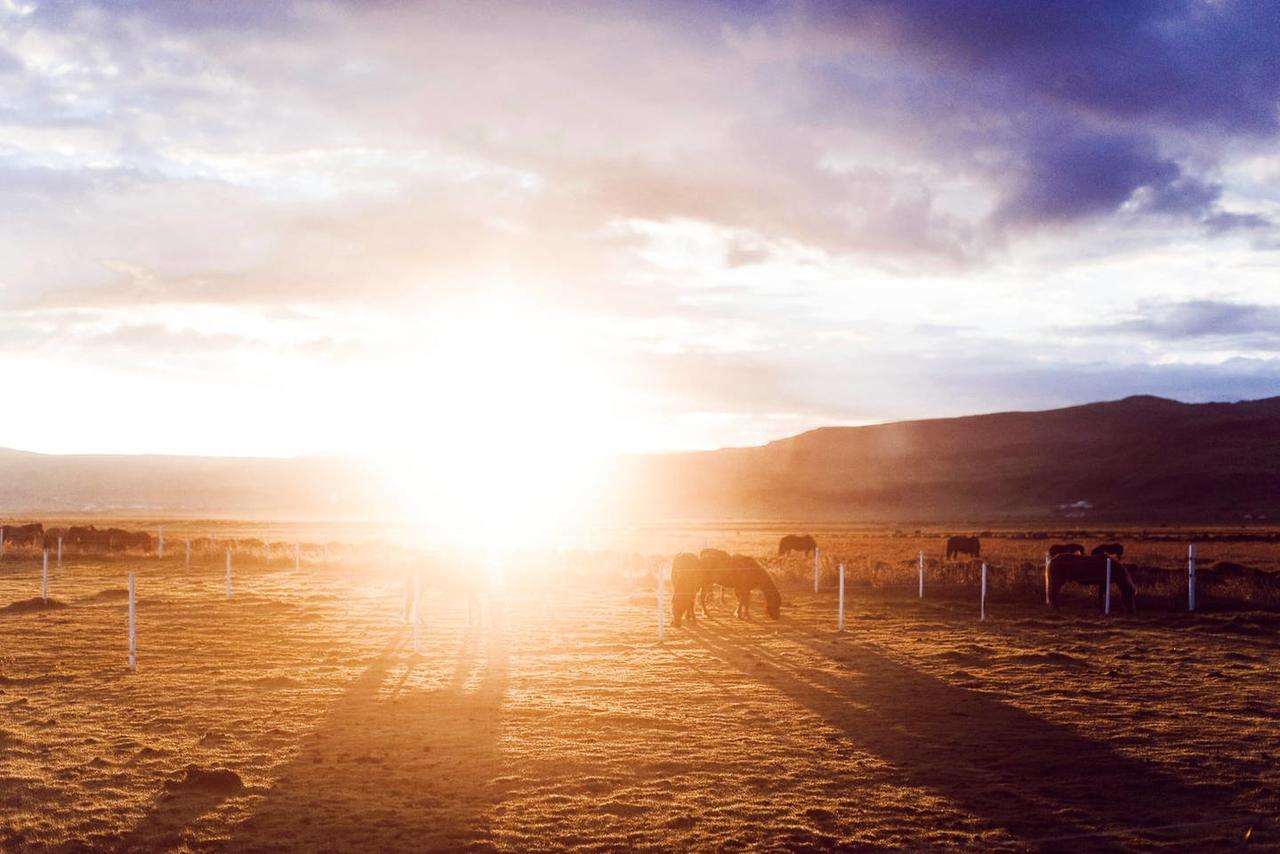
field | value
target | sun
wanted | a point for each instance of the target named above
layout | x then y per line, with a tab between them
504	426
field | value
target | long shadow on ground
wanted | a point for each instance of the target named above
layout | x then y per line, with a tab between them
393	766
1045	783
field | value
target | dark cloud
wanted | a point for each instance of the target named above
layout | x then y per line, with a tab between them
1187	63
1257	325
1091	104
1075	176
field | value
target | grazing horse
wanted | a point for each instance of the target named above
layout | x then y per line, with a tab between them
746	574
1090	571
23	535
1113	549
691	575
797	543
1066	549
957	546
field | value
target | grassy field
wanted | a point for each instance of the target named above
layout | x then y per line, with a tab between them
297	716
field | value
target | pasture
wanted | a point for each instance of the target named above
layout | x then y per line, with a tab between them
296	716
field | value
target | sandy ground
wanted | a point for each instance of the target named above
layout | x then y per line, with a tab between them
917	728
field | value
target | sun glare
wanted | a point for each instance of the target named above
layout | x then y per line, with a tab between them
502	428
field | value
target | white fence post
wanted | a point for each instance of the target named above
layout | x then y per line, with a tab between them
59	552
1	541
817	564
228	573
1106	596
840	622
44	577
160	547
407	611
1046	578
416	619
188	552
921	573
983	603
1191	577
133	628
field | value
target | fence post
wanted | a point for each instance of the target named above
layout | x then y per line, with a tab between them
1046	579
1106	596
661	614
188	552
817	563
983	601
407	612
133	628
417	624
59	552
160	548
1191	577
1	541
840	622
921	573
44	577
228	573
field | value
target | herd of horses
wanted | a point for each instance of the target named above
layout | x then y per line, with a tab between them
695	577
81	537
87	539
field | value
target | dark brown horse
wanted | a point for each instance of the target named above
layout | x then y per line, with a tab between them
746	574
23	535
957	546
1065	549
797	543
1089	571
1113	549
690	575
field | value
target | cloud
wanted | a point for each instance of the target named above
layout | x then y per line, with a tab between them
801	210
1248	324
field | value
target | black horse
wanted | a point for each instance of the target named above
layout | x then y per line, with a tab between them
797	543
1112	549
957	546
1089	571
1066	549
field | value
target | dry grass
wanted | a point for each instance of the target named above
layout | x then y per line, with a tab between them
571	727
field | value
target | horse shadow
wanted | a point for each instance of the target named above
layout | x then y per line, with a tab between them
1044	783
395	765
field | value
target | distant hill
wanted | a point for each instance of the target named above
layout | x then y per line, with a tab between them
242	487
1141	458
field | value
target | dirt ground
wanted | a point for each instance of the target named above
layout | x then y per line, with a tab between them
571	726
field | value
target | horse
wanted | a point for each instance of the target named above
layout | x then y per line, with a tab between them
1091	571
957	546
1066	549
1112	549
23	535
797	543
691	575
746	574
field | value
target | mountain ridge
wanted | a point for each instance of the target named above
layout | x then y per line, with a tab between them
1140	457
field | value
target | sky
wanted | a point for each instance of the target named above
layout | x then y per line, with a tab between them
278	228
